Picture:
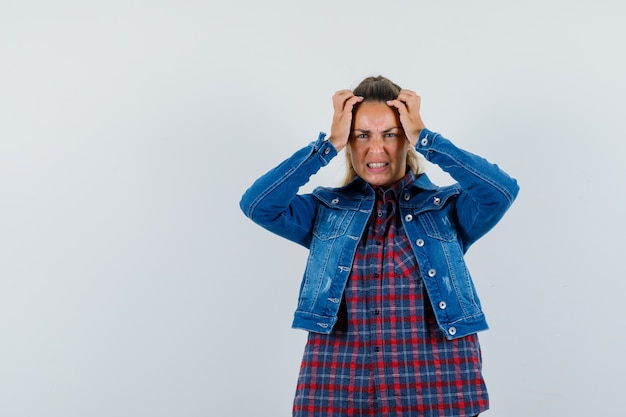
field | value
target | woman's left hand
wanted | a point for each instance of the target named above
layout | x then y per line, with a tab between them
408	105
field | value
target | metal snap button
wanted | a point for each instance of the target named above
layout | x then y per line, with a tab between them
326	151
407	197
442	305
335	201
452	331
432	272
408	217
419	242
437	201
424	141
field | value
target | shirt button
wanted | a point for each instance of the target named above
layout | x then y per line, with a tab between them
452	331
408	217
380	213
442	305
432	272
376	348
437	201
377	312
419	242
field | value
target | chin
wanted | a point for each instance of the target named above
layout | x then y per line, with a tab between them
379	183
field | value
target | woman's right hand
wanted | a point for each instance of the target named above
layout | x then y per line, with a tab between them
343	103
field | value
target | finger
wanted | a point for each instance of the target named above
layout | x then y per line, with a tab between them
340	97
346	104
399	105
410	99
406	94
351	102
343	92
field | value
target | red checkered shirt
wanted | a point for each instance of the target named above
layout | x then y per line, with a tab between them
386	355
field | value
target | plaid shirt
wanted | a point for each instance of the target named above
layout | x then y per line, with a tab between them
386	356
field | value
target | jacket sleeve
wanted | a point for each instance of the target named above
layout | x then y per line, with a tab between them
487	192
273	201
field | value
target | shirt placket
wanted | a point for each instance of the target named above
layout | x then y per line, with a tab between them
382	248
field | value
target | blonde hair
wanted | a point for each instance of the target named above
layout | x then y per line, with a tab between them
379	89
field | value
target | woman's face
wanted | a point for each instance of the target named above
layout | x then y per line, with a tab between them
377	145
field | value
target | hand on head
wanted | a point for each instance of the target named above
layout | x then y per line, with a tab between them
343	103
407	103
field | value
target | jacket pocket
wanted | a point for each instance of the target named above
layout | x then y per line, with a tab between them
331	224
439	225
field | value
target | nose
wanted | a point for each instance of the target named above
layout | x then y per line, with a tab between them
376	145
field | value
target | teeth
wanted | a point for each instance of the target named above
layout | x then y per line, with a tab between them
376	164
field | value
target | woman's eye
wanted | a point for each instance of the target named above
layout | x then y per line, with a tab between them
390	135
361	136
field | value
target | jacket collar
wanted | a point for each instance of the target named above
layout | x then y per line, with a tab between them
359	186
424	183
350	196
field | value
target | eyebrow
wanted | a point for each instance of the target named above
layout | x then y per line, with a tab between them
384	131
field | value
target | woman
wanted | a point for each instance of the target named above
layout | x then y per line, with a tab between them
388	302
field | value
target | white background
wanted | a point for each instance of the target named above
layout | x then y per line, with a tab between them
132	285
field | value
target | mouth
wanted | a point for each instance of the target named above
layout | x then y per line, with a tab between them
377	165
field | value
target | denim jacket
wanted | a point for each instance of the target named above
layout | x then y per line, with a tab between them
440	222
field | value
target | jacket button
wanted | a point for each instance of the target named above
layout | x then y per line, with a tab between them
424	141
432	272
326	151
452	331
407	197
437	201
442	305
419	242
408	217
335	201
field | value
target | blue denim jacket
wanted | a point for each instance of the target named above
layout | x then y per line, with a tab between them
441	223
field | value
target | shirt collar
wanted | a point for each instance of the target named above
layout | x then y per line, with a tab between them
392	191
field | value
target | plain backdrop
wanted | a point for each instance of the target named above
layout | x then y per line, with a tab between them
132	285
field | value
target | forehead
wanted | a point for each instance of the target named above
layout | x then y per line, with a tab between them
375	114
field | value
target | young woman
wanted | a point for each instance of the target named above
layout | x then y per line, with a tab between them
390	307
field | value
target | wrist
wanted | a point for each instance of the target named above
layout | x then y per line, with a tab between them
337	143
